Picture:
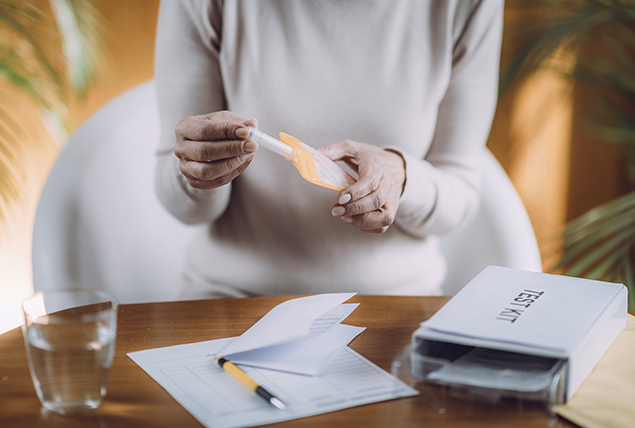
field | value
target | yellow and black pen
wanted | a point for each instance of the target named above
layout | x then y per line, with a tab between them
233	370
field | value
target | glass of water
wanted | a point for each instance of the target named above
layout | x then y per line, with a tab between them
70	342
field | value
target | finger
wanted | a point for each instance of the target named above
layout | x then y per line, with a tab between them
371	173
220	181
346	151
214	127
205	151
211	171
376	231
364	195
374	220
369	203
365	226
341	151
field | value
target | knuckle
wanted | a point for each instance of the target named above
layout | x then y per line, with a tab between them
389	218
181	128
349	144
236	149
203	172
202	130
227	130
178	151
378	200
357	192
201	152
354	209
194	129
373	182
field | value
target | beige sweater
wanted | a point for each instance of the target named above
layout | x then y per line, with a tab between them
419	76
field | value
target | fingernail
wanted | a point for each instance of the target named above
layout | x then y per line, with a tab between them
242	133
250	146
345	198
348	219
338	211
244	158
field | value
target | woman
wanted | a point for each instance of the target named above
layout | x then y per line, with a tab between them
402	91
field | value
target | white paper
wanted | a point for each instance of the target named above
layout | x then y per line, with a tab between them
287	321
538	310
299	336
189	373
302	356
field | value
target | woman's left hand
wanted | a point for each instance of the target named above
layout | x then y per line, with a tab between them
371	203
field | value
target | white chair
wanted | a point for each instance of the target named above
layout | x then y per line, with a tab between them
99	224
500	234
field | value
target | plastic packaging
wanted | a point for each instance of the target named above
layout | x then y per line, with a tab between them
312	165
269	143
487	376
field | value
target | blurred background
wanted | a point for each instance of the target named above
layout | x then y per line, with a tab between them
564	129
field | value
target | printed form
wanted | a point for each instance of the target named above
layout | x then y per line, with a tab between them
298	352
190	374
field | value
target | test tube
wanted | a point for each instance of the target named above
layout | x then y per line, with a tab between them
269	142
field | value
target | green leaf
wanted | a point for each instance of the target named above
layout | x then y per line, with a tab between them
48	60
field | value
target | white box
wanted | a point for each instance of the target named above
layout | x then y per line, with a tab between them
570	320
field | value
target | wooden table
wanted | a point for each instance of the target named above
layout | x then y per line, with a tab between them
136	400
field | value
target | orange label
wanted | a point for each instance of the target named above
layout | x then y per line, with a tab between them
304	162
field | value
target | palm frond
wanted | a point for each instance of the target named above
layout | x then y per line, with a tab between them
81	32
592	43
601	244
48	58
559	30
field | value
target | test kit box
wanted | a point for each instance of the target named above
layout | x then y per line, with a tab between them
511	333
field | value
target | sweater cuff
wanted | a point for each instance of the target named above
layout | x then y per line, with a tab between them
190	193
419	195
186	203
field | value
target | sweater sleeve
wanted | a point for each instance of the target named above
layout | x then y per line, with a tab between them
442	191
188	80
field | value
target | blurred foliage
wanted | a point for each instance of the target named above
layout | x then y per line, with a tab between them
50	51
592	43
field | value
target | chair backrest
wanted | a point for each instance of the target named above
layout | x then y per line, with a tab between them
500	234
99	224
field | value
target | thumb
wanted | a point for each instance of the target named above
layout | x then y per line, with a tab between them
340	151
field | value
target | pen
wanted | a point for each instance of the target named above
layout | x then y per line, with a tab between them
233	370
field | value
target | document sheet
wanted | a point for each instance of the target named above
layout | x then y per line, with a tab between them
300	335
189	373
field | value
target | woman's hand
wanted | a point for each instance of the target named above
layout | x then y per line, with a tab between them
371	203
213	149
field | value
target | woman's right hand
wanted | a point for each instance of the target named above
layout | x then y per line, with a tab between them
213	149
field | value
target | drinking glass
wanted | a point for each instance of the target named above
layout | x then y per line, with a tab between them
70	342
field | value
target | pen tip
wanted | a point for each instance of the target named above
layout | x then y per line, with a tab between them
279	404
